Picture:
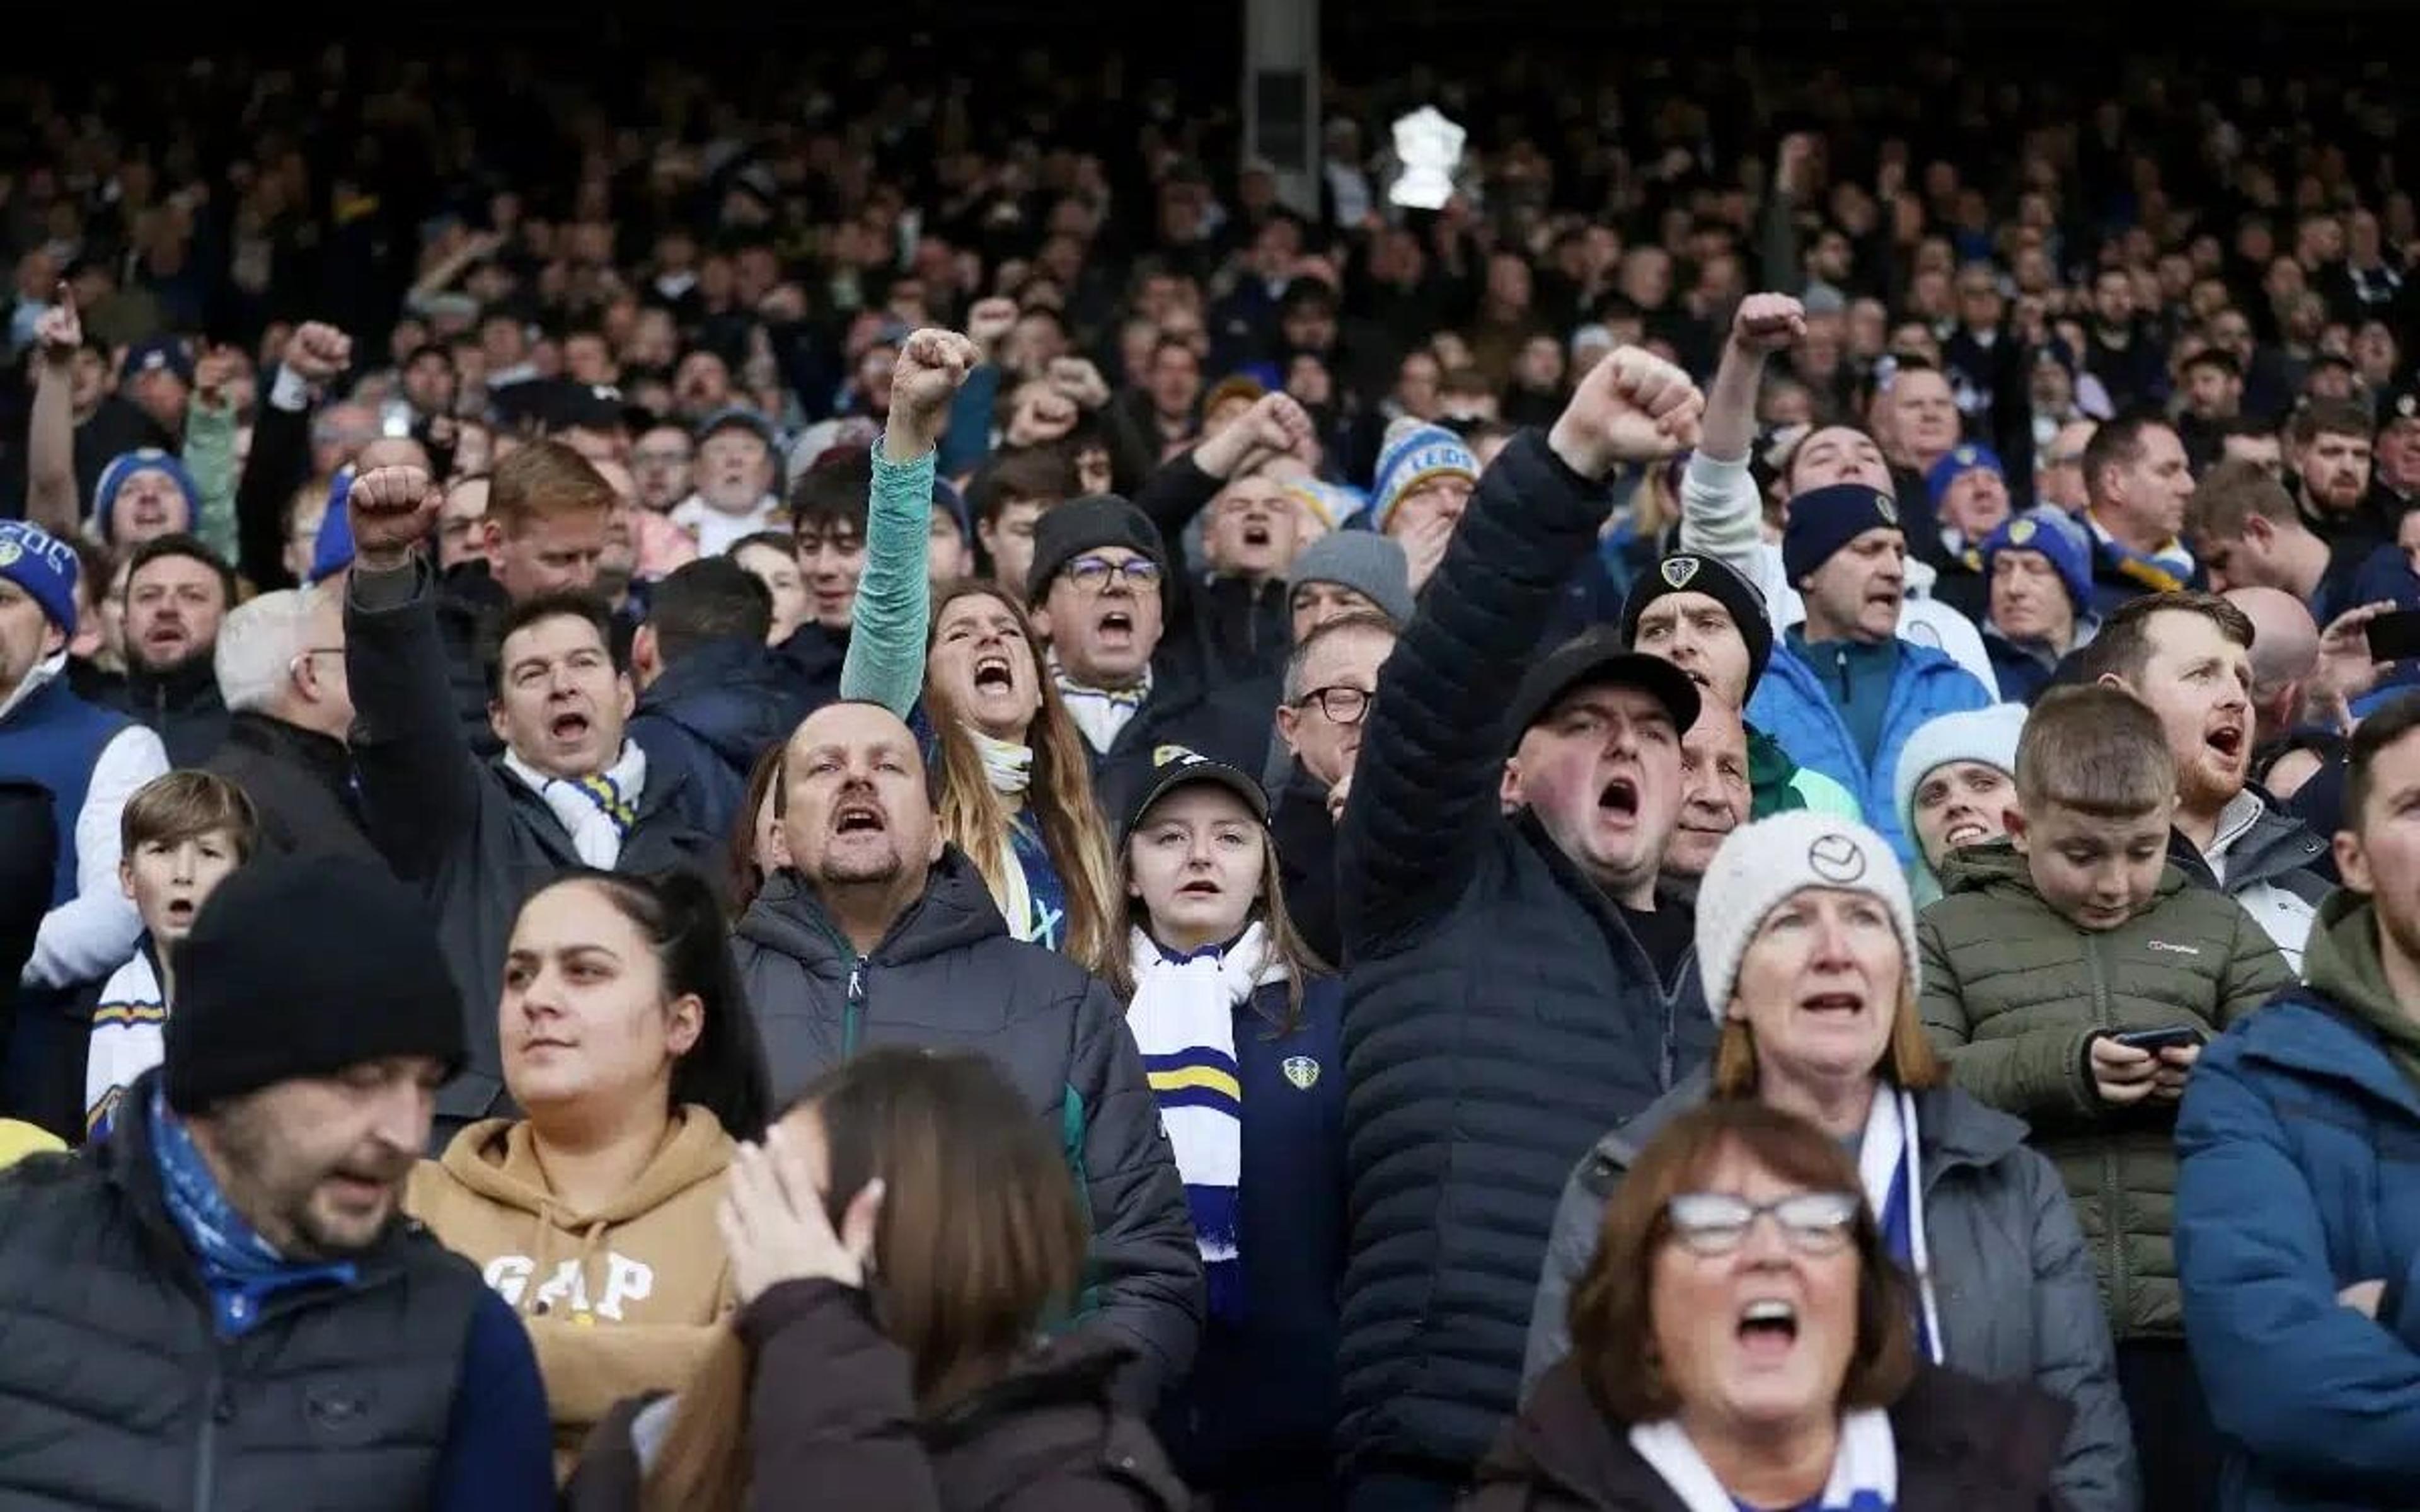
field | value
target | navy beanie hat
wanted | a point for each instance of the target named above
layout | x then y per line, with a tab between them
1823	520
2056	534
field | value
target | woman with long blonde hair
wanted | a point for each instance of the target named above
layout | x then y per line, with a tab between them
898	1243
1016	792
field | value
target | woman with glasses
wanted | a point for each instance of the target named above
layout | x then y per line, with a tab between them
1744	1337
1013	786
1806	943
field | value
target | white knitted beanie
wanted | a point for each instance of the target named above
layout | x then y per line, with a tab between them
1761	864
1988	735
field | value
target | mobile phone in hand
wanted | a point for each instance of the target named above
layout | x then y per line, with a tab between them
2395	636
2175	1036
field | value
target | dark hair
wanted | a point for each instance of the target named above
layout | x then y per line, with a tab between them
2384	728
680	917
569	604
2117	443
2122	648
95	566
781	541
2231	493
2096	750
179	544
831	495
980	1236
2331	417
1021	474
1612	1307
713	598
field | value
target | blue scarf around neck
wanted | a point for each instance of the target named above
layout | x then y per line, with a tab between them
240	1268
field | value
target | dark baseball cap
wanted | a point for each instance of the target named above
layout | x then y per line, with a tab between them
1176	766
1596	658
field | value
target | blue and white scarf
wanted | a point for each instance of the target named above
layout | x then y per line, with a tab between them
1100	712
240	1268
1865	1466
597	811
1183	1018
1887	1167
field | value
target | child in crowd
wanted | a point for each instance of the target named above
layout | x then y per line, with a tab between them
180	834
1240	1030
2071	976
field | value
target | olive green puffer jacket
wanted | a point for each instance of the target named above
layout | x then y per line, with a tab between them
2013	994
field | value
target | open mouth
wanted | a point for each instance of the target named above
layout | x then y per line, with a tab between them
181	910
1117	622
1621	796
1848	1003
1202	888
1768	1327
567	725
1256	535
992	675
2228	740
1965	832
857	819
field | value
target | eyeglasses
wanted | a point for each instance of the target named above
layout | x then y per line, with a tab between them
1095	574
1342	703
1717	1223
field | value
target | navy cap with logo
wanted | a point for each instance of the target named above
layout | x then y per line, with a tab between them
1691	572
1823	520
1597	657
2397	404
1178	767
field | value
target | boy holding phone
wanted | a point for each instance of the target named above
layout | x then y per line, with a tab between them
2071	975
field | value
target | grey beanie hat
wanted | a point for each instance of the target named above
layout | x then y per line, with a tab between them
1369	564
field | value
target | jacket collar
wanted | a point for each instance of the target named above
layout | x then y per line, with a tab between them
191	683
954	911
325	755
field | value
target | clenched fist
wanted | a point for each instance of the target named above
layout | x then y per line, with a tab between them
990	321
1274	425
59	329
318	351
1767	323
932	365
1632	406
392	510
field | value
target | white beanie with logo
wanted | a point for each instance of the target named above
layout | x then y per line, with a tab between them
1760	865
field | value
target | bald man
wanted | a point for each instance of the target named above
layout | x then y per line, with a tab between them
879	932
2285	655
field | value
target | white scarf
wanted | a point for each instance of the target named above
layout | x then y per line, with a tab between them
597	810
1009	768
1183	1018
1887	1168
128	1037
1865	1466
1007	764
1100	712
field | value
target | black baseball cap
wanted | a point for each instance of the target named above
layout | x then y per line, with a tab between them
1176	766
1593	658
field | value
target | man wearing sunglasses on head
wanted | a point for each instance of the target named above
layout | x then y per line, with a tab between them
1100	595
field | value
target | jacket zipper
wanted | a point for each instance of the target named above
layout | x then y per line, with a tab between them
2114	1229
206	1452
853	1014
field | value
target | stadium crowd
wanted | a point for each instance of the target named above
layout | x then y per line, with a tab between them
864	785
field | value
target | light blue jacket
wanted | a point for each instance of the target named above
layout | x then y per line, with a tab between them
1792	705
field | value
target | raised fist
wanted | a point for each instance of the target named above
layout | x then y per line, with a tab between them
392	510
932	364
1767	323
212	371
990	321
1079	380
319	352
59	329
1632	406
1274	425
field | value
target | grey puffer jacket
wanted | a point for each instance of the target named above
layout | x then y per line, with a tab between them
948	976
2011	1276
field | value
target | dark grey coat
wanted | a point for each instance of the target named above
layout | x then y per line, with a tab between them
2011	1276
948	976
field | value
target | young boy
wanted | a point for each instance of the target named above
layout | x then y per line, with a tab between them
2071	976
181	835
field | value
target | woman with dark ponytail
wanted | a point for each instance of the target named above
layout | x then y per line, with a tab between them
629	1047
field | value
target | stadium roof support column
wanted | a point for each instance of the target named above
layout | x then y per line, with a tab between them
1282	95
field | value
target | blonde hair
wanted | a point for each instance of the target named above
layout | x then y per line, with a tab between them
972	817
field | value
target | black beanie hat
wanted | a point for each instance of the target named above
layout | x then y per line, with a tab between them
301	968
1693	572
1088	524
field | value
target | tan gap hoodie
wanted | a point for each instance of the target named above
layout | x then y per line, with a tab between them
617	1302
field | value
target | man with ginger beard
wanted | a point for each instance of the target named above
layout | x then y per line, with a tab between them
878	931
2189	657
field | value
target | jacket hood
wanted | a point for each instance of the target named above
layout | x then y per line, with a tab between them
497	1159
1995	866
954	911
2343	963
732	694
